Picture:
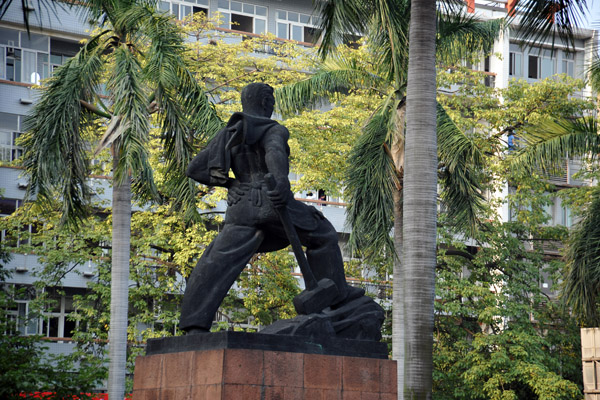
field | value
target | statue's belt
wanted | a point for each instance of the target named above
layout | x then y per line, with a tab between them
255	190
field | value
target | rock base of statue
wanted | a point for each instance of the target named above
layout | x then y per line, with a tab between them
258	373
360	318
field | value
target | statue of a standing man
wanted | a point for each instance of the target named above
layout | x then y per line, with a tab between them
253	145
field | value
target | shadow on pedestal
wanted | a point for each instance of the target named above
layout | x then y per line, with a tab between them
257	341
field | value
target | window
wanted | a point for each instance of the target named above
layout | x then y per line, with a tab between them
568	64
181	9
297	26
243	16
56	322
22	55
547	64
542	65
10	130
19	310
515	67
29	58
533	68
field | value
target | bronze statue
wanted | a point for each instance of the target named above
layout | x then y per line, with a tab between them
255	148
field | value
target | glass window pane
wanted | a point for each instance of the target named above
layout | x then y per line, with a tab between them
30	74
281	14
292	16
9	37
175	10
518	64
42	65
305	19
262	11
200	10
236	6
2	63
69	327
297	33
32	326
260	26
186	10
17	66
9	122
533	68
571	70
282	30
311	35
202	2
547	67
55	59
248	8
224	4
164	6
5	139
35	42
242	23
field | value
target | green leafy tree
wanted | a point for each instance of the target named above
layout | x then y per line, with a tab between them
25	367
498	335
140	54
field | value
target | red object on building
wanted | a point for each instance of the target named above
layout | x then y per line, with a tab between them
471	6
510	6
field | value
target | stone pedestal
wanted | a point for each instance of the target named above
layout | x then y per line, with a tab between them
257	374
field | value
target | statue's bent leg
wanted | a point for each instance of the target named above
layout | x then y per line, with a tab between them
216	271
324	255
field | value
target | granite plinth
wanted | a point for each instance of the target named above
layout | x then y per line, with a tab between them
258	341
241	374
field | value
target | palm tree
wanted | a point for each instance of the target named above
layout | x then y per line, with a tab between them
420	202
545	147
377	161
140	52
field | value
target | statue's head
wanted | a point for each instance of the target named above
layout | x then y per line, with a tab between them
258	99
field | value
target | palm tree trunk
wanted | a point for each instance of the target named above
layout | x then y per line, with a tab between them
121	236
398	335
420	202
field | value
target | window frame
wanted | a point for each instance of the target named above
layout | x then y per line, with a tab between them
229	11
282	20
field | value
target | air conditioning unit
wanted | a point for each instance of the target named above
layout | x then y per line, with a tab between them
88	273
21	268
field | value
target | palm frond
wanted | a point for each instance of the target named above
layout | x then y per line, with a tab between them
335	76
54	143
460	35
595	73
130	102
339	18
581	288
388	36
462	162
539	19
371	180
546	146
185	113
